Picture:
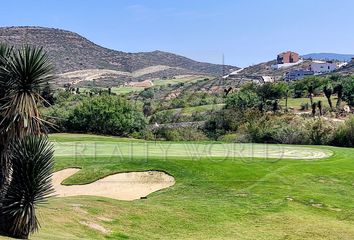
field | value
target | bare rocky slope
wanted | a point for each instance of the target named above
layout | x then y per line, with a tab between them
71	52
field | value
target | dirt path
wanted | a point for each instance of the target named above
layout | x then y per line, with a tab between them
121	186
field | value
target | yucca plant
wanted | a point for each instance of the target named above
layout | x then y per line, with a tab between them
328	91
32	165
23	74
5	52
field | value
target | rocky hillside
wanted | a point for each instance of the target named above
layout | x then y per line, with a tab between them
72	53
264	69
346	70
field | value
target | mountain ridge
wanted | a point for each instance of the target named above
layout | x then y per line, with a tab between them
329	56
70	52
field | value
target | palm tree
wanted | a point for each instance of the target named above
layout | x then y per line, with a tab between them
311	93
319	105
5	52
339	90
328	91
23	74
313	106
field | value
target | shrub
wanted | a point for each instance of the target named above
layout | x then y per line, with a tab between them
348	90
344	136
304	106
147	93
181	134
165	116
228	120
106	115
319	132
144	134
179	103
286	129
260	130
242	100
291	133
229	137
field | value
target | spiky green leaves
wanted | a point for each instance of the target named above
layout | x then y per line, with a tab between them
29	69
32	166
24	73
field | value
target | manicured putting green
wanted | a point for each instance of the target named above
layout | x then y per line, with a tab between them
115	147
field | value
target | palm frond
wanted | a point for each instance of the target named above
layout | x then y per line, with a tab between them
32	166
5	52
27	71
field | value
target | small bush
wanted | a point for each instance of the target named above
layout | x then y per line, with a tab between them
260	130
229	137
147	93
344	136
291	133
181	134
304	106
319	132
166	116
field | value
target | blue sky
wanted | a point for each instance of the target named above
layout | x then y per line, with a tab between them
245	31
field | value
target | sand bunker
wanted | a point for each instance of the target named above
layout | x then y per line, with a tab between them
121	186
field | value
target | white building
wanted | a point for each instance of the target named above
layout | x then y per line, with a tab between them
320	67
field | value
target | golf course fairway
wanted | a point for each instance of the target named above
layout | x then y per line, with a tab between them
221	191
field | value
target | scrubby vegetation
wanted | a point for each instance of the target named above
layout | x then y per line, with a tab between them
105	115
308	111
254	114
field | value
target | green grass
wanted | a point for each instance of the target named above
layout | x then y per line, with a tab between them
203	108
126	90
190	79
121	149
214	197
296	102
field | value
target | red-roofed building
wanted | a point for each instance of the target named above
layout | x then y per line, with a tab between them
287	57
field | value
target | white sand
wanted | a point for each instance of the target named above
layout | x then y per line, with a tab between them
121	186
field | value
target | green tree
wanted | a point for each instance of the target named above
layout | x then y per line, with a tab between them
271	92
348	90
242	100
312	84
309	85
338	89
47	95
328	91
147	93
106	115
147	109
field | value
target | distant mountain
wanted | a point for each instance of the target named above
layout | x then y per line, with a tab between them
82	60
329	56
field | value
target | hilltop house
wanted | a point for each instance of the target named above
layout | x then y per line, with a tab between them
287	57
297	74
320	67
